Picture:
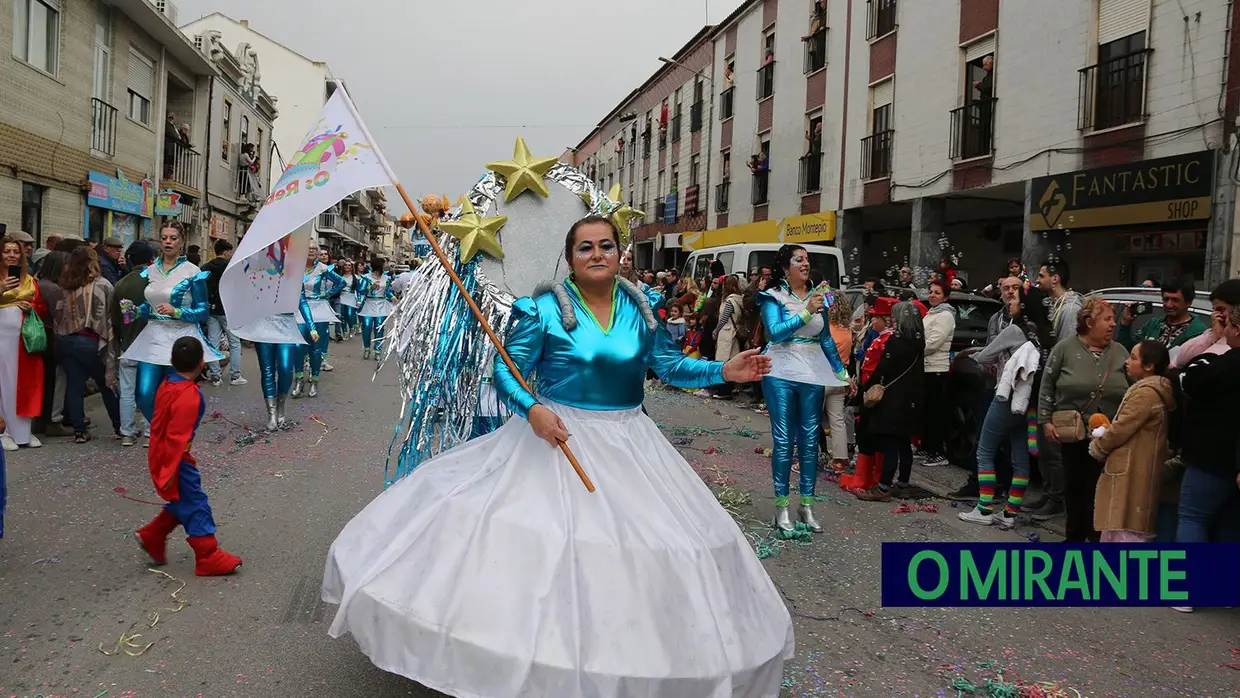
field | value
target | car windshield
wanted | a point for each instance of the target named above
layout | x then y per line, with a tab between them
973	314
824	264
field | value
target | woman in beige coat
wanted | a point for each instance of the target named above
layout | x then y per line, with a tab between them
727	332
1134	447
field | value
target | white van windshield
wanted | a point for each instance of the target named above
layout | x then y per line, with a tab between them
824	264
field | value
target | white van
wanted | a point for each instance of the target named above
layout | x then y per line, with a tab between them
740	258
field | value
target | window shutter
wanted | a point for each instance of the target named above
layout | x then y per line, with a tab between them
977	49
1120	18
141	74
882	94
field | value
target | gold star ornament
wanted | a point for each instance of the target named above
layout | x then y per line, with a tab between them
523	172
477	234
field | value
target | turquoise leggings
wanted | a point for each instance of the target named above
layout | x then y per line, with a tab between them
276	367
372	327
316	350
149	378
796	418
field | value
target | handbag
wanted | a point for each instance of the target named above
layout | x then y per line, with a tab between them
874	394
1070	424
34	336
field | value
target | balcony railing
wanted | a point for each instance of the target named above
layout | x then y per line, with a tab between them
1113	92
247	183
646	144
676	127
766	80
727	100
876	155
973	129
721	196
695	117
816	52
761	183
663	139
103	127
811	173
880	18
182	164
329	221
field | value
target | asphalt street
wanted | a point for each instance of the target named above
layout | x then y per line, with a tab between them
73	582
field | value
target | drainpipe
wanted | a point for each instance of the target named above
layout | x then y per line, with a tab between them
206	151
839	209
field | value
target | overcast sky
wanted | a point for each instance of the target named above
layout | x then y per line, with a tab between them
448	86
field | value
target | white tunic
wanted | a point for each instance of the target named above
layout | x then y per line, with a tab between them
801	359
376	303
153	345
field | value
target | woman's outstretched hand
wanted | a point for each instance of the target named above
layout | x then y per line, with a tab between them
747	367
547	425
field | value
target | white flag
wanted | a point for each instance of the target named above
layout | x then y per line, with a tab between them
336	158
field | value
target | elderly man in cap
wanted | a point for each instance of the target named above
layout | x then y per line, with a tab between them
110	254
27	241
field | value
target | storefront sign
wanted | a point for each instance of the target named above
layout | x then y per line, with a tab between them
1166	190
221	227
168	203
814	227
669	209
119	194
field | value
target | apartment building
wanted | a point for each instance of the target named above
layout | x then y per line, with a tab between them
655	144
88	90
1099	132
304	85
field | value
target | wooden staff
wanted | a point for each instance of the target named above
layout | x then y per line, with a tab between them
456	280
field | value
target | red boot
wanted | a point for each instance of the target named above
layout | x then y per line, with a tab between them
153	537
210	561
861	476
876	472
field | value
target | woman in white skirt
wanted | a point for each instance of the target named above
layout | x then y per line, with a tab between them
319	284
350	298
21	372
176	306
377	297
490	571
278	343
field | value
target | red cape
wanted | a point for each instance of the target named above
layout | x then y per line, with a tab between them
178	407
30	368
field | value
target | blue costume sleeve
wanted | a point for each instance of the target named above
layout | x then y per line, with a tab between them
777	328
524	345
336	280
654	298
199	305
389	293
363	287
671	364
303	307
833	354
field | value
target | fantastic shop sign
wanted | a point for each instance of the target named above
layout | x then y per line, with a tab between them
1060	574
1165	190
119	194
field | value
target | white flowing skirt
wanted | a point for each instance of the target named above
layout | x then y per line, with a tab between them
803	362
490	572
321	311
348	299
153	345
273	329
375	307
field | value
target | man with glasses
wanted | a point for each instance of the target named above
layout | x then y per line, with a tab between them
1174	328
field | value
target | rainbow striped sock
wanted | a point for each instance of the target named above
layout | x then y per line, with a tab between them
1016	494
986	490
1031	429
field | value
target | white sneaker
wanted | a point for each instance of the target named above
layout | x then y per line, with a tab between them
34	442
977	517
239	380
1182	609
1003	520
935	461
8	443
146	442
327	367
216	381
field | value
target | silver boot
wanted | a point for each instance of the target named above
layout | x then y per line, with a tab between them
313	391
281	420
272	422
297	385
806	514
782	520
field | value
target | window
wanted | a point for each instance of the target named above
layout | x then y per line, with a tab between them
766	73
675	181
245	129
811	162
32	210
973	124
876	148
694	163
760	166
659	190
880	18
103	51
258	150
36	33
141	86
226	130
1116	84
724	187
726	103
676	119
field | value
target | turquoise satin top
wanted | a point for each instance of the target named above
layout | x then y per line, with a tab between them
588	368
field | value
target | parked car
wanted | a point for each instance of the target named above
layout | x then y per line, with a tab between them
741	257
973	314
1122	296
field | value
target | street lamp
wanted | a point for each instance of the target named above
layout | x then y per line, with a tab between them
709	145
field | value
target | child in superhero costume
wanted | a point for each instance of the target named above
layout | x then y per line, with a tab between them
179	407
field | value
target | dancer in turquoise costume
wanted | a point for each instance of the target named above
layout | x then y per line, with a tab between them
643	587
804	362
176	306
318	286
377	296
